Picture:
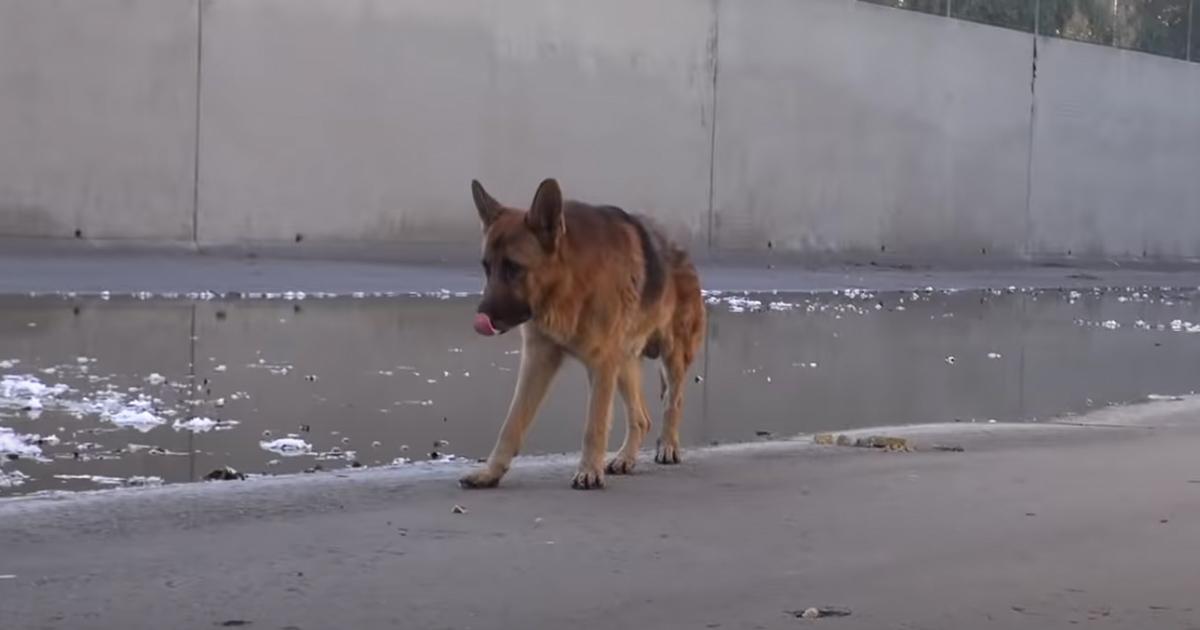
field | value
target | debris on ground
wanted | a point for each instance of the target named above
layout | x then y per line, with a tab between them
225	473
819	612
887	443
874	441
949	448
458	509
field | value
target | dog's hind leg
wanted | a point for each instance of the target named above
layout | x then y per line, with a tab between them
667	451
637	419
540	360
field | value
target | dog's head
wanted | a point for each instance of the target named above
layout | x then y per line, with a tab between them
519	251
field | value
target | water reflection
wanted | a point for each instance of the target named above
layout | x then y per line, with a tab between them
173	389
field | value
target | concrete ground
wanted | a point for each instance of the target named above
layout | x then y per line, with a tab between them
1091	523
52	266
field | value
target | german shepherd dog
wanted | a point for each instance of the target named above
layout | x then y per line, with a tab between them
600	285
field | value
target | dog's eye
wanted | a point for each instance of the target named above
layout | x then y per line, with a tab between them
511	269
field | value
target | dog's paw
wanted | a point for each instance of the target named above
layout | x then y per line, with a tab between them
621	465
588	479
667	452
482	478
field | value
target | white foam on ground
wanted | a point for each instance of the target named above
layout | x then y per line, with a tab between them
21	445
20	387
204	425
29	393
137	419
13	479
288	447
100	479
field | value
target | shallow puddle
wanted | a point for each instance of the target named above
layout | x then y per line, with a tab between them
127	391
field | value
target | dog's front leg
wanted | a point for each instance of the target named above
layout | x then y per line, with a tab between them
540	360
603	383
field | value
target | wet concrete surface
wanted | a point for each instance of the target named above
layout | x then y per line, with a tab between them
381	381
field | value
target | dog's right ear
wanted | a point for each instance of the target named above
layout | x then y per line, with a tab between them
488	207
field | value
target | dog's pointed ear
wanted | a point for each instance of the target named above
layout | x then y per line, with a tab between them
545	216
488	207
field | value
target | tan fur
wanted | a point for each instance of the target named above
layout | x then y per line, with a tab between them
584	289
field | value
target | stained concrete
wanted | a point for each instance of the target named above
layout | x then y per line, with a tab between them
825	128
98	118
874	130
1116	179
364	120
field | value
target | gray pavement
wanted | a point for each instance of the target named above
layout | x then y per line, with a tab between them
50	266
1092	523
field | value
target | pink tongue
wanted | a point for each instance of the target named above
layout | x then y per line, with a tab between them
483	325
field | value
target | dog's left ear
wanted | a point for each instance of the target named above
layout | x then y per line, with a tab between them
545	215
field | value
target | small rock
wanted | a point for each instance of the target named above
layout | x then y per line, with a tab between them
844	440
763	433
818	613
458	509
950	360
823	438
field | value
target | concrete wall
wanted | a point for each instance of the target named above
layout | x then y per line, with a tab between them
874	129
817	126
97	118
366	119
1116	161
